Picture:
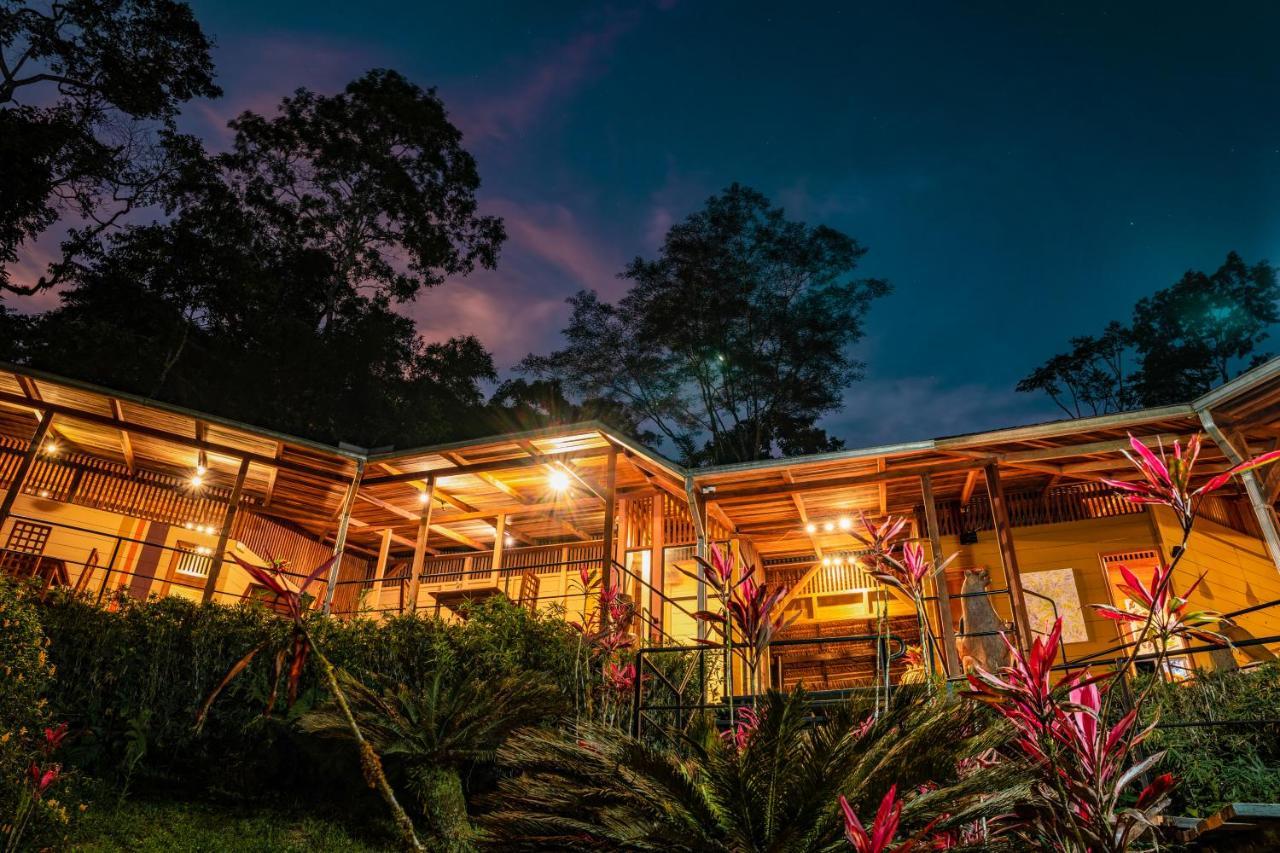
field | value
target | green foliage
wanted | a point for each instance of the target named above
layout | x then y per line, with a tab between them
132	679
594	788
148	826
88	96
1182	341
1219	764
733	342
434	733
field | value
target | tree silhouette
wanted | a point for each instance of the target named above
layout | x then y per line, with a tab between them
733	342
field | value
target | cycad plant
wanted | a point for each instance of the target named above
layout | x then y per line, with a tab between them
771	783
433	733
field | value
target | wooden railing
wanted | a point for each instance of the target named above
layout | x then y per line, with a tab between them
1072	502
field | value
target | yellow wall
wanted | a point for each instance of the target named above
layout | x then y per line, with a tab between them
1078	545
78	530
1239	573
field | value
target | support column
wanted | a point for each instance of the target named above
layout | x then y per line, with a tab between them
340	541
946	630
1008	556
1257	498
499	542
380	569
607	545
228	517
420	545
657	571
698	512
28	459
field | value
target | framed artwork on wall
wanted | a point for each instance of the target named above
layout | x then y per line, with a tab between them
1059	587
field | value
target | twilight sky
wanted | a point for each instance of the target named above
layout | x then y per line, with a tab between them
1019	174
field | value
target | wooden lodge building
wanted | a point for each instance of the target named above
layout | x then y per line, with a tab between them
114	495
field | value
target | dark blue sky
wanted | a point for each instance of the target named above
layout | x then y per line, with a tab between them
1021	172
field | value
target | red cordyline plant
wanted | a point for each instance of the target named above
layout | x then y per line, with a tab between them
1169	614
908	572
1084	772
879	837
750	621
40	776
301	646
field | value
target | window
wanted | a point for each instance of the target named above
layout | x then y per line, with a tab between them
191	560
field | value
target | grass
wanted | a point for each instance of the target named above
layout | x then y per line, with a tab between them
171	827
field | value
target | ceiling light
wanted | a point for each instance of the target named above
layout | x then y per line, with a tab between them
558	480
838	561
829	526
826	561
197	480
811	528
51	448
422	497
510	540
845	522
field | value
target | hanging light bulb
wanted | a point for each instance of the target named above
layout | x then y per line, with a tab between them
509	540
197	480
826	561
422	497
811	528
845	522
829	526
558	480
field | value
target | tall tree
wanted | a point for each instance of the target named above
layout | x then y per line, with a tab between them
1204	329
232	306
88	95
1182	341
1096	377
375	178
733	342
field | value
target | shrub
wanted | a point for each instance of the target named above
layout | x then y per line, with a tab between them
1220	764
133	678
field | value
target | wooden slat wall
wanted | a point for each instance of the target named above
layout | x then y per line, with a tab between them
1073	502
101	484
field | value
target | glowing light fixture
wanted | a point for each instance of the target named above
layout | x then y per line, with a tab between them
197	480
422	497
51	448
201	470
811	528
558	480
829	526
845	522
826	561
510	540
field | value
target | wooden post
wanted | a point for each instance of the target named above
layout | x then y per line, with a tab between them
28	459
1008	556
1262	509
499	542
946	630
380	568
420	546
657	571
610	509
340	541
228	517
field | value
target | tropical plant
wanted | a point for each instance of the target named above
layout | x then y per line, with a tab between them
907	573
301	646
749	617
1083	770
434	733
41	774
769	784
880	838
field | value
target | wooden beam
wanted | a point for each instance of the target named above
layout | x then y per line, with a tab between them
74	414
803	512
395	537
28	459
420	549
459	460
499	534
906	472
384	554
482	467
606	553
657	567
883	487
460	538
946	630
1008	555
966	493
228	517
269	492
126	444
340	543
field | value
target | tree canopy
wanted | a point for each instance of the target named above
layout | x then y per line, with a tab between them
88	95
732	342
268	293
1182	340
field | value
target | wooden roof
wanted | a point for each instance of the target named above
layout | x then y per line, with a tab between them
477	481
